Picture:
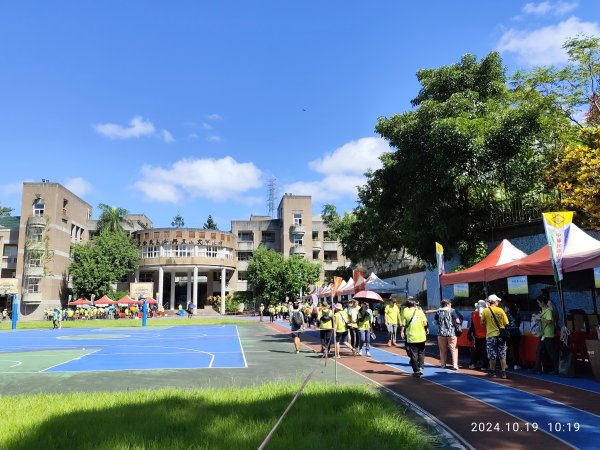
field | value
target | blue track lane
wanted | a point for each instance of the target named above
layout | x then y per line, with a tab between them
521	404
188	347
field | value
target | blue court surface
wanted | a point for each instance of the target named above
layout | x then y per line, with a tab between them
185	347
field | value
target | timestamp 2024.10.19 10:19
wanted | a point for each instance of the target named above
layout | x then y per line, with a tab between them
517	427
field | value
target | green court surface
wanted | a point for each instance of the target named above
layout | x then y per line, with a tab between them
269	355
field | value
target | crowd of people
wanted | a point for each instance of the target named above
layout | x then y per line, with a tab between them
90	313
494	331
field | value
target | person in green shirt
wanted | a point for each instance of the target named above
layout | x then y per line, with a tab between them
547	338
412	326
363	321
392	318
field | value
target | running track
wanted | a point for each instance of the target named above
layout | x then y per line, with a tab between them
504	410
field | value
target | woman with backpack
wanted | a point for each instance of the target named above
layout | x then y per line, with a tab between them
446	319
296	325
325	319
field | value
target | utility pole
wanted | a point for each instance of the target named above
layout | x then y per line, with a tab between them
271	188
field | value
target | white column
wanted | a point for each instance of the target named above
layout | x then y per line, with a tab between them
223	290
161	278
195	289
172	299
137	276
188	295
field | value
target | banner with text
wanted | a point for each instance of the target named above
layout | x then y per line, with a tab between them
141	290
439	256
557	226
518	285
9	286
597	277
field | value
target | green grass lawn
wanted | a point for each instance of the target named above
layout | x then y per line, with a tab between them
324	416
101	323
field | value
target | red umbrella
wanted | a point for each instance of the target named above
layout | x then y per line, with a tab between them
80	302
104	301
368	295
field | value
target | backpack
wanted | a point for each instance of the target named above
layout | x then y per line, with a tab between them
326	315
297	319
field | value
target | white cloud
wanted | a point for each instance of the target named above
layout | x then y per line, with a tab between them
138	127
10	189
166	136
214	116
214	138
543	46
79	186
559	8
343	169
214	179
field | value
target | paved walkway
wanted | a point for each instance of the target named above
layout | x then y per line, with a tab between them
522	412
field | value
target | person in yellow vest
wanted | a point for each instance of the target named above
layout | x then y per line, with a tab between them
412	327
392	318
340	321
325	320
547	337
271	313
495	344
352	310
364	320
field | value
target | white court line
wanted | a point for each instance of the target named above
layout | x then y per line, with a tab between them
18	363
241	347
69	360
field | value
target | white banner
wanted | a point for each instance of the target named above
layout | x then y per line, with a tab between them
518	285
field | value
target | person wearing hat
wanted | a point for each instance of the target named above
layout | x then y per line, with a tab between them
392	318
340	323
477	333
494	318
364	320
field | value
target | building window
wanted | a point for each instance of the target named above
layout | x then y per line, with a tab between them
124	278
184	250
192	234
245	236
9	253
297	240
268	237
330	256
242	276
36	234
297	218
146	277
156	234
33	285
315	255
150	251
34	259
315	235
244	256
211	252
38	207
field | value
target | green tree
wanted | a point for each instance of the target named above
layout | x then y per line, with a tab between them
112	218
5	212
273	278
178	221
338	226
469	144
101	262
210	224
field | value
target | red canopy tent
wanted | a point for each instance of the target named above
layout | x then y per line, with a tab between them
127	300
582	252
505	252
104	300
80	302
151	301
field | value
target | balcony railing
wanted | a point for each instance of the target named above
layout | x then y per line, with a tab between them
297	229
297	250
330	246
317	245
245	245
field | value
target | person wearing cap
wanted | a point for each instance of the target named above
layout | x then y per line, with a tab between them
340	323
413	323
352	311
392	318
479	358
445	319
495	344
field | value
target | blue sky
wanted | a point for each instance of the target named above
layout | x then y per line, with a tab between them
190	107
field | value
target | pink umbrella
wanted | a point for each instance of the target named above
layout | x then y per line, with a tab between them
368	295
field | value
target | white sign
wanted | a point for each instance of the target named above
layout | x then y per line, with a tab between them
518	285
9	286
461	290
141	290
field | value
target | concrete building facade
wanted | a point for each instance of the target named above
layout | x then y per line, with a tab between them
185	264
